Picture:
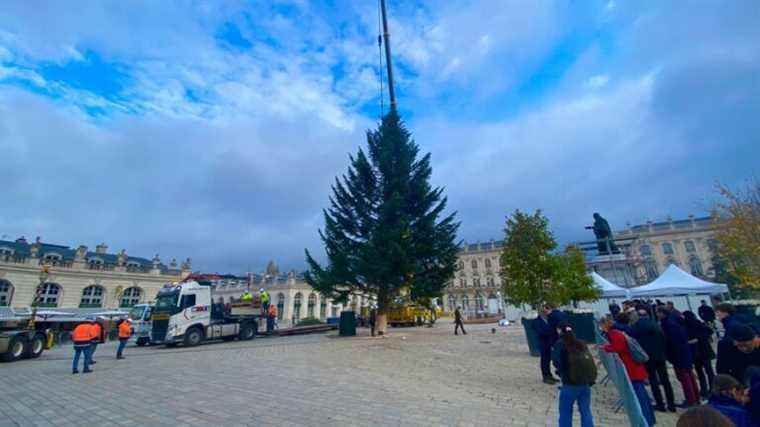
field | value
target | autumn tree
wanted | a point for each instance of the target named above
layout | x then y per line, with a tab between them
738	250
575	284
527	263
385	231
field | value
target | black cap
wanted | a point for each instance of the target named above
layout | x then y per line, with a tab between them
741	333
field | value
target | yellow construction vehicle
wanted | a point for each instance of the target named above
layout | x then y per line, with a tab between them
407	313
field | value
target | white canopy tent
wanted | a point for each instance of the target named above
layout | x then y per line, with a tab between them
609	289
675	281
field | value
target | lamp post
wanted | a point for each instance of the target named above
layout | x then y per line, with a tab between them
43	277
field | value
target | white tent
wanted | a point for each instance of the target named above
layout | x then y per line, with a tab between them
609	289
675	281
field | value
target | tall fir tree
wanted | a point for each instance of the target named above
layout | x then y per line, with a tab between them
382	234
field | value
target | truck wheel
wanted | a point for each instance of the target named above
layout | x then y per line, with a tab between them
246	332
15	350
193	337
35	347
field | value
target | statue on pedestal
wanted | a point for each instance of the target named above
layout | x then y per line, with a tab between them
604	240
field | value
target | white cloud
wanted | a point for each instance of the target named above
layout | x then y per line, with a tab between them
598	81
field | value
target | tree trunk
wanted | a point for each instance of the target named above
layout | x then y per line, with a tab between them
381	323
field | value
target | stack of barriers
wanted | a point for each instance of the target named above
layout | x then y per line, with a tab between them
617	374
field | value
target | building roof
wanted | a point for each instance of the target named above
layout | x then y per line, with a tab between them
22	249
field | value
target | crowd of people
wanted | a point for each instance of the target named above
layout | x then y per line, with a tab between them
647	336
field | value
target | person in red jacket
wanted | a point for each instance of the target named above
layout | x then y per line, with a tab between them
637	372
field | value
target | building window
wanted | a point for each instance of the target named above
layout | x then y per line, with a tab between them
52	259
476	282
479	305
49	294
488	263
645	250
465	302
297	307
280	305
322	308
712	244
133	267
461	265
311	306
92	297
651	269
6	293
474	264
130	297
95	263
452	302
667	248
462	283
689	245
489	282
696	266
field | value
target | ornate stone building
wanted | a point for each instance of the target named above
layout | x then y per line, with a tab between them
294	298
648	249
476	286
79	278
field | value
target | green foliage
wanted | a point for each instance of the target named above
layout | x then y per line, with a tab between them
382	235
533	274
573	281
308	321
527	265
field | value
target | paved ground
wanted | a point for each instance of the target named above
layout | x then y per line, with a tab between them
418	376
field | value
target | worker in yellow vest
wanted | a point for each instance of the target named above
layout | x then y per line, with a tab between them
264	300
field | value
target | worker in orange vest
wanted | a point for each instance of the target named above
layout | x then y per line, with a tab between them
97	331
125	331
82	337
271	316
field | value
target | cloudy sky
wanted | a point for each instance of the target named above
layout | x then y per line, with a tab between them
214	129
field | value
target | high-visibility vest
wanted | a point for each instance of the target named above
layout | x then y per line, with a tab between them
265	297
246	297
82	333
125	331
97	331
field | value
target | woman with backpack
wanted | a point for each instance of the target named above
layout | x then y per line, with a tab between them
577	371
637	372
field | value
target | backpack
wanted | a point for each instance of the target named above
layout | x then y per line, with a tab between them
581	368
637	353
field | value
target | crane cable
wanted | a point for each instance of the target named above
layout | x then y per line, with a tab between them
380	52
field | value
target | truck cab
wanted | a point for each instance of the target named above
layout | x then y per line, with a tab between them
141	323
184	313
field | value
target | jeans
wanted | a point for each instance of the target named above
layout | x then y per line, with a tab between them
704	369
93	347
78	350
568	395
546	358
122	344
689	384
270	324
658	376
644	402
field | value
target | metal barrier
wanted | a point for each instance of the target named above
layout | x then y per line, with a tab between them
619	376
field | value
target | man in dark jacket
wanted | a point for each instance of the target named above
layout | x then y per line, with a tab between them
726	313
458	321
739	350
679	354
706	313
547	336
651	338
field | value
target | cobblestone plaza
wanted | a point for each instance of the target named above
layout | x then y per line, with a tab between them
417	376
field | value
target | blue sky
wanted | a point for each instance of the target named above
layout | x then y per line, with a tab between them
213	130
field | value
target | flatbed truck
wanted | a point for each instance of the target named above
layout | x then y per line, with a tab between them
184	313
